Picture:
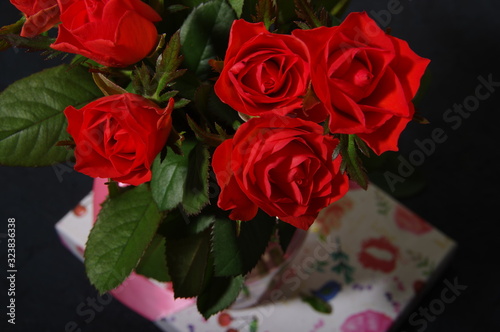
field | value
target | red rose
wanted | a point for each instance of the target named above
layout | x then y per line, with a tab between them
263	72
281	165
114	33
365	78
41	15
119	136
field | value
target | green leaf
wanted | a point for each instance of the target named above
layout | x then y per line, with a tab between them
32	115
176	8
14	28
362	146
196	188
219	294
200	223
339	8
303	25
142	80
193	3
169	178
351	161
201	99
211	109
306	12
167	64
154	263
221	112
266	12
178	224
203	135
180	103
249	7
237	6
187	85
125	226
238	254
188	263
317	304
107	86
182	179
205	34
286	15
158	6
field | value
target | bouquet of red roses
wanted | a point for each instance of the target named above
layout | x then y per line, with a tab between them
219	124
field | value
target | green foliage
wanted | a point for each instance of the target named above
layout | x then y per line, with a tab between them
237	253
125	226
182	179
339	7
153	263
305	11
196	187
38	43
237	6
167	66
204	35
348	148
32	115
157	82
219	294
166	229
7	30
266	12
188	263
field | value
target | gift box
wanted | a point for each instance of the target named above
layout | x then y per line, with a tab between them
365	263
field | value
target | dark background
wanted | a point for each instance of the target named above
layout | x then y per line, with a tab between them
460	197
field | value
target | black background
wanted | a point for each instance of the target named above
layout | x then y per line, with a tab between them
462	38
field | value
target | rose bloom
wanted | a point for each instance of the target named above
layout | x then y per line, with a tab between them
114	33
365	78
281	165
41	15
263	72
119	136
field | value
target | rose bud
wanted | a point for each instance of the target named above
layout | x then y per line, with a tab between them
119	136
41	15
114	33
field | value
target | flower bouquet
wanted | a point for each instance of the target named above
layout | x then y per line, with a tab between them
220	125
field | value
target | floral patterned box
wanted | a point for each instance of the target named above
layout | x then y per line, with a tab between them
363	264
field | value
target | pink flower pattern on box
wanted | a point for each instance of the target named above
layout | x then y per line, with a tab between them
392	241
367	321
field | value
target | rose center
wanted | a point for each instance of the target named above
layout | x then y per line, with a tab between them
94	8
358	74
268	71
268	85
